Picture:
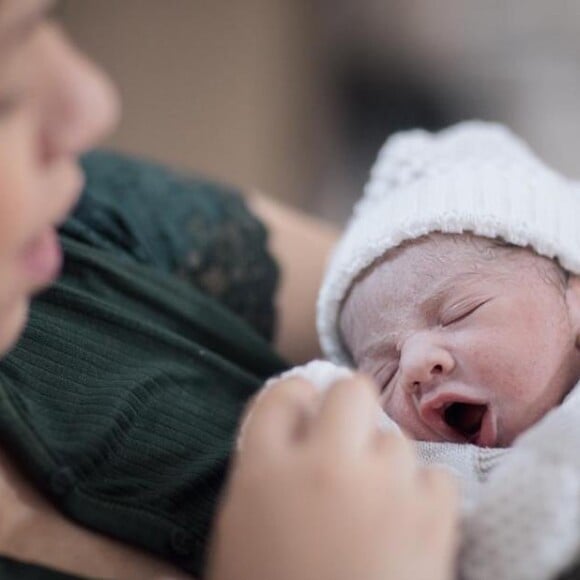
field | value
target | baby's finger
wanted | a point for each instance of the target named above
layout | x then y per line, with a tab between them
277	416
441	506
398	455
347	419
441	488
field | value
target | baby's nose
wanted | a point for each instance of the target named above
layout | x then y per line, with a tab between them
423	364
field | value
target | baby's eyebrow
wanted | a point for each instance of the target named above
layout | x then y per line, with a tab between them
442	291
433	302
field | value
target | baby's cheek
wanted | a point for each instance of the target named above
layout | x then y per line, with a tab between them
407	433
398	409
490	359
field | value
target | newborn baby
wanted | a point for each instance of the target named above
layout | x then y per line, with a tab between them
452	286
470	340
456	286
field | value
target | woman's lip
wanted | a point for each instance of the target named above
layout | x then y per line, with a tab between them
42	258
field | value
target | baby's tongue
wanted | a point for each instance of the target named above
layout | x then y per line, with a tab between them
465	418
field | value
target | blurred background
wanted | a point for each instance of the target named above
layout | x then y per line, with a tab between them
294	97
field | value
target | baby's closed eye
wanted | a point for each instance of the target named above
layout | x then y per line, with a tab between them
386	376
460	311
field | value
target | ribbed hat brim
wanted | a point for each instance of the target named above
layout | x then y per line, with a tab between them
540	210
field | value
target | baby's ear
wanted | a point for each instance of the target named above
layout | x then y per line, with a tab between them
573	303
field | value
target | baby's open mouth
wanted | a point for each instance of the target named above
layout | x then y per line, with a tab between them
465	419
460	417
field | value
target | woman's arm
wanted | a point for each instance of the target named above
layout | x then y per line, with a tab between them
301	245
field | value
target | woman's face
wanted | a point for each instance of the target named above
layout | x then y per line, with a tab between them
54	105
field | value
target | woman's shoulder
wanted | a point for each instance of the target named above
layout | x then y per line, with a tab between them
182	225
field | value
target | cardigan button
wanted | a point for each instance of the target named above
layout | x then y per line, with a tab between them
62	480
181	542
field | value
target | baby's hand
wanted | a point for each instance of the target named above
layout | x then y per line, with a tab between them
322	375
319	492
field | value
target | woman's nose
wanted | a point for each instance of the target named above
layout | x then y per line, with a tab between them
82	105
423	363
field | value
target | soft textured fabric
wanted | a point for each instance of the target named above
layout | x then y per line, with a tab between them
122	398
322	374
476	177
521	508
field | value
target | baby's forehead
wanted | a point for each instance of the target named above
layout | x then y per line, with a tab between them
449	248
419	280
432	265
435	258
453	254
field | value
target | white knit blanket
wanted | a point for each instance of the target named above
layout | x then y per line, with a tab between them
521	506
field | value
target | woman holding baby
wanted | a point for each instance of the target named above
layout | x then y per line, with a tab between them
122	384
316	491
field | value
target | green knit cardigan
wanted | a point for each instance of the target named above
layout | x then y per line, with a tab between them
122	398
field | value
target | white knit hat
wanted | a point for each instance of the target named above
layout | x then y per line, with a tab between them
473	177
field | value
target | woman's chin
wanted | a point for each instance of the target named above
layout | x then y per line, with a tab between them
13	319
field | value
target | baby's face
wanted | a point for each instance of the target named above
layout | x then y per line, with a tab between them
468	341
